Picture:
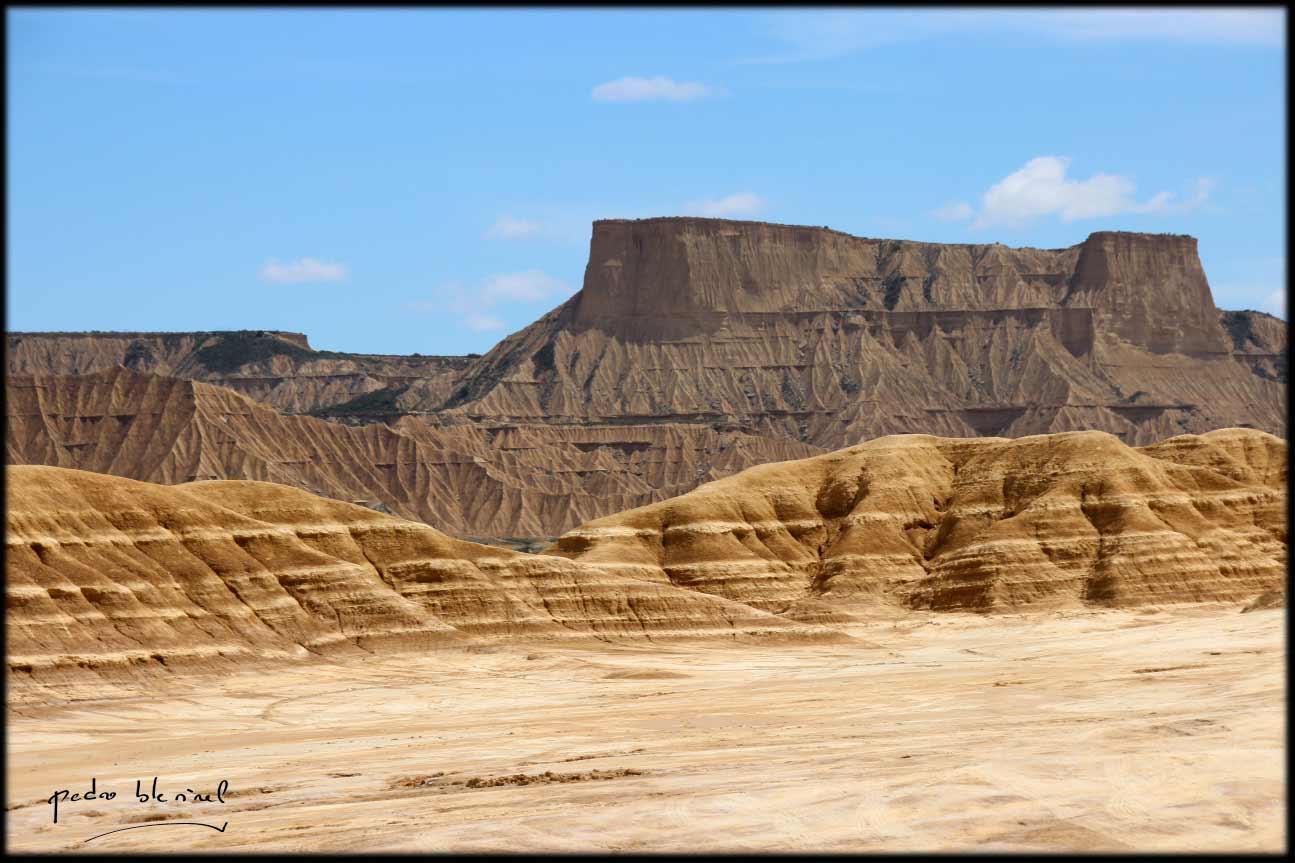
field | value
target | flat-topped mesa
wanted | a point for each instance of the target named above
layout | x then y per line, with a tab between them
698	347
685	267
1149	287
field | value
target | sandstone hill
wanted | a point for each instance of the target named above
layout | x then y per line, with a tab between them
117	577
695	348
470	480
916	521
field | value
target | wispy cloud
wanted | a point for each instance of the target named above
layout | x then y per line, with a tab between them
1201	190
1252	283
476	306
483	323
824	35
564	223
1275	303
818	35
1042	188
301	271
954	211
740	204
657	89
1215	26
509	228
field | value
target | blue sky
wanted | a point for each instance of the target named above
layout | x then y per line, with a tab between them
423	180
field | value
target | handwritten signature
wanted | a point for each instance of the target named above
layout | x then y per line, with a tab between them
149	796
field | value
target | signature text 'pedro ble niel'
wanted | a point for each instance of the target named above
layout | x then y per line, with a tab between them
151	795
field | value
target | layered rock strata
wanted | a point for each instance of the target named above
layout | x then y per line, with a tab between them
821	337
275	368
696	348
470	480
916	521
119	577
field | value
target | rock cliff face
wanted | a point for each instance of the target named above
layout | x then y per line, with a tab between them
821	337
916	521
1148	290
116	577
699	347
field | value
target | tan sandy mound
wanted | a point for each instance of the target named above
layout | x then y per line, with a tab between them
916	521
112	575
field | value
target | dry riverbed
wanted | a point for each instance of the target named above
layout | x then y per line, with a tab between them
1073	731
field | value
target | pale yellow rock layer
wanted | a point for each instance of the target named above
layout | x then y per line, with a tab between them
916	521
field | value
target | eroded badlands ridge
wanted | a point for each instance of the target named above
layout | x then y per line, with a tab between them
916	521
469	480
117	577
696	348
275	368
825	338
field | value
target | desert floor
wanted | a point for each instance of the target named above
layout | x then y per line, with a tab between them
1146	730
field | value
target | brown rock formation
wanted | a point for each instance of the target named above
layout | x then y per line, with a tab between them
916	521
699	347
470	480
114	576
817	336
276	368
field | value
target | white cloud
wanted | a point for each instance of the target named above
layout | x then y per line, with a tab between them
509	228
476	306
483	323
1275	303
301	271
954	211
1201	190
740	204
1041	188
655	89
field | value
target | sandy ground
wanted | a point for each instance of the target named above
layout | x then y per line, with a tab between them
1147	730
